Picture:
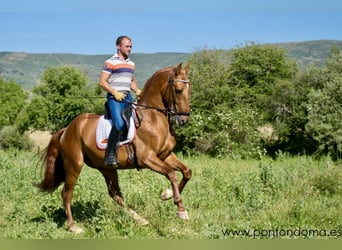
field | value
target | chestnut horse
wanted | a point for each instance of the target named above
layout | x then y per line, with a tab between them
165	100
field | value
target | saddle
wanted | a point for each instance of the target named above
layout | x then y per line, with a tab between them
126	136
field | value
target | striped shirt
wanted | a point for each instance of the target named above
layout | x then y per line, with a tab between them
121	72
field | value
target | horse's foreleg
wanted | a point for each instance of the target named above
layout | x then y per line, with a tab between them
177	199
167	169
177	165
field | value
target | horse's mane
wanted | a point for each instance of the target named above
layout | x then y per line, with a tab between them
155	75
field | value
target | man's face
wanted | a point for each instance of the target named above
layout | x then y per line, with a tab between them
124	49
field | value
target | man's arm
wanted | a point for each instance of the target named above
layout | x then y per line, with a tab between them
105	85
134	86
103	82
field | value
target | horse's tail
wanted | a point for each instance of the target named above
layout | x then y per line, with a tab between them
52	161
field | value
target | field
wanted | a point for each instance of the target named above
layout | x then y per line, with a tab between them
290	197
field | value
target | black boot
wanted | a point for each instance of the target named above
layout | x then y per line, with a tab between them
110	158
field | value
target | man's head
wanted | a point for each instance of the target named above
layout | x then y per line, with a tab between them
124	46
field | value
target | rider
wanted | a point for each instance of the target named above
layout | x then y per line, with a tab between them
117	78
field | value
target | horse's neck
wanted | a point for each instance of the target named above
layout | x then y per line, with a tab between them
154	89
152	98
152	105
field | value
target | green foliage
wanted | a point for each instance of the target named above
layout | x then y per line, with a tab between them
12	100
11	137
289	193
255	71
209	77
324	107
222	133
329	181
235	92
35	115
325	117
62	96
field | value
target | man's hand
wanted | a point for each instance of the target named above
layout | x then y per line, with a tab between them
138	92
119	96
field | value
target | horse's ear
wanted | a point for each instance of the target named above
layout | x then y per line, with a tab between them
177	70
186	68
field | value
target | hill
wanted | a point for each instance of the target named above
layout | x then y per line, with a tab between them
310	52
26	68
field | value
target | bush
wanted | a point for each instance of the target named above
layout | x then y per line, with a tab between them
325	118
10	137
222	133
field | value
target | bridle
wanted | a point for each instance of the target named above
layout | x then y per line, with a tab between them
171	108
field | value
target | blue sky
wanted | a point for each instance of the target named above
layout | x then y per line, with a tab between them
91	26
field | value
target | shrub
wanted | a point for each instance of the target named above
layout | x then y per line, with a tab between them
222	133
10	137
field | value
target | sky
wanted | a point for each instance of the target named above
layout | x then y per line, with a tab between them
92	26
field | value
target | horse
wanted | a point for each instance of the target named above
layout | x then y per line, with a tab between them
164	102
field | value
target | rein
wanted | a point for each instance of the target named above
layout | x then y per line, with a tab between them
146	106
167	110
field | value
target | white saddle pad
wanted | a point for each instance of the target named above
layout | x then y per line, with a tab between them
103	129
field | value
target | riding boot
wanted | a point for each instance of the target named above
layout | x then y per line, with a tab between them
110	157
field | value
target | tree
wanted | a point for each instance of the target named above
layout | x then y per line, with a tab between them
255	72
219	125
209	75
325	109
12	100
62	96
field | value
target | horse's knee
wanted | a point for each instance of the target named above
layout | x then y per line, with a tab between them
172	176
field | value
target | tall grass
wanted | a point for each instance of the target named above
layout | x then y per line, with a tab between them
266	196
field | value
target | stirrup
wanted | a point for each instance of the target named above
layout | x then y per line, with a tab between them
111	161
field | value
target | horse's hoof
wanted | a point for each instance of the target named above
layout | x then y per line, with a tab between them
166	194
75	229
140	220
183	215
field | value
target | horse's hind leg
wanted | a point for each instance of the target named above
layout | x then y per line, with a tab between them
67	194
112	181
73	162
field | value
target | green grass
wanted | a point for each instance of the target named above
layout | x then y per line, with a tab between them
264	197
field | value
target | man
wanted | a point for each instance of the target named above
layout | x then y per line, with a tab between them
117	78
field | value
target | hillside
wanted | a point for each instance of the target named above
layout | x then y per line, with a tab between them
26	68
310	52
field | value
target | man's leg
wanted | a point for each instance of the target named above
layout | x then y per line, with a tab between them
110	157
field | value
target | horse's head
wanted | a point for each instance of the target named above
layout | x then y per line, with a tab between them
168	90
177	95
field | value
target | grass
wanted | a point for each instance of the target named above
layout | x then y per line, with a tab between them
294	194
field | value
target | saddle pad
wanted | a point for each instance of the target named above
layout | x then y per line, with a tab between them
103	129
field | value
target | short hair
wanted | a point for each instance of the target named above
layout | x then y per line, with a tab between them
120	38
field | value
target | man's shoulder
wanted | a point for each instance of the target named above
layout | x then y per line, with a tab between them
113	58
116	59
